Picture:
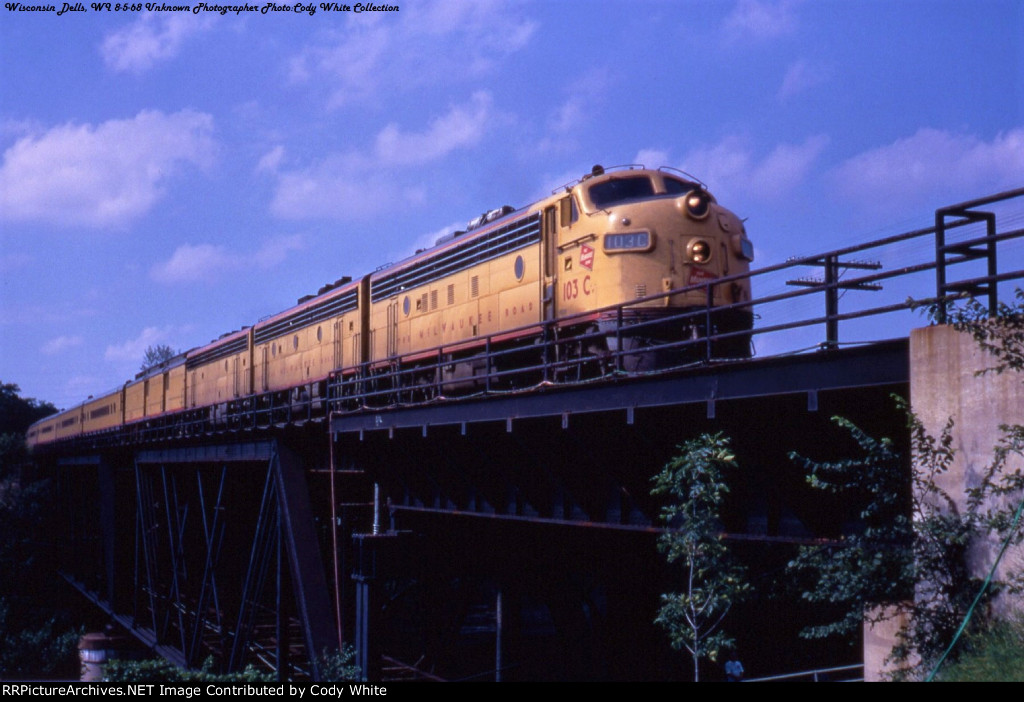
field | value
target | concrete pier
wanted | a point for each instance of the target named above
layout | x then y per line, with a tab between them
946	381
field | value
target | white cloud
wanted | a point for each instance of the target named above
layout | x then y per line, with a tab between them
731	166
932	166
652	158
193	263
275	251
462	126
786	166
133	350
801	76
150	39
271	160
357	186
61	343
428	43
209	263
760	19
584	99
102	176
337	187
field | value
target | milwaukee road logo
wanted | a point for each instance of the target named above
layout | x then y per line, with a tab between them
587	257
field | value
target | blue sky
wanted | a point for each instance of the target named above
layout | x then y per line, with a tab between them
168	177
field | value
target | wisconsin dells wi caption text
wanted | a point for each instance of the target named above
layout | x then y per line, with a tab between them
202	7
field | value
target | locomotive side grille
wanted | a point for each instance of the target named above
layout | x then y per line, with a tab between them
474	286
433	299
516	235
333	307
223	351
451	294
641	290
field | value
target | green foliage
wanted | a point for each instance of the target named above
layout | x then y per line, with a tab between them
340	666
33	645
24	521
335	666
1000	331
17	413
159	670
994	655
912	544
874	563
712	579
35	640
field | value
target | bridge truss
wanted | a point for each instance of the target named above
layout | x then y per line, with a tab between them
259	538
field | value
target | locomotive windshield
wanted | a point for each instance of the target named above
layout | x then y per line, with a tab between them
637	187
617	190
674	186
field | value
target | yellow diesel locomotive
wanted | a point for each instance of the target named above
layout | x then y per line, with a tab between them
622	266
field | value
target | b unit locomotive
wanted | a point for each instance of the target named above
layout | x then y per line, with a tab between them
620	260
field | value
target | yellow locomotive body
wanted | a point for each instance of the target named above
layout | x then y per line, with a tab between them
592	261
219	372
304	344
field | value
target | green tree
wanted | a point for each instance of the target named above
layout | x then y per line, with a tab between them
35	640
17	413
914	540
999	331
912	543
155	355
340	665
160	670
35	643
874	563
336	666
712	579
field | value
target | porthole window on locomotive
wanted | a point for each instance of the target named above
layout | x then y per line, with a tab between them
406	305
319	334
520	268
295	342
273	350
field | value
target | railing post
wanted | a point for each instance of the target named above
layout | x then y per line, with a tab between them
618	339
940	265
993	269
707	321
546	340
831	302
487	356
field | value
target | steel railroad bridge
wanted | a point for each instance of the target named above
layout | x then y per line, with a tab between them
507	531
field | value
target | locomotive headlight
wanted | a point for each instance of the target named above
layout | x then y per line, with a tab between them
698	204
699	251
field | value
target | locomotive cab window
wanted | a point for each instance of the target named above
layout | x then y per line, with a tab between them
568	213
618	190
674	186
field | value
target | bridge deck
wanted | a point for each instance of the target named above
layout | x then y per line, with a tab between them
881	364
